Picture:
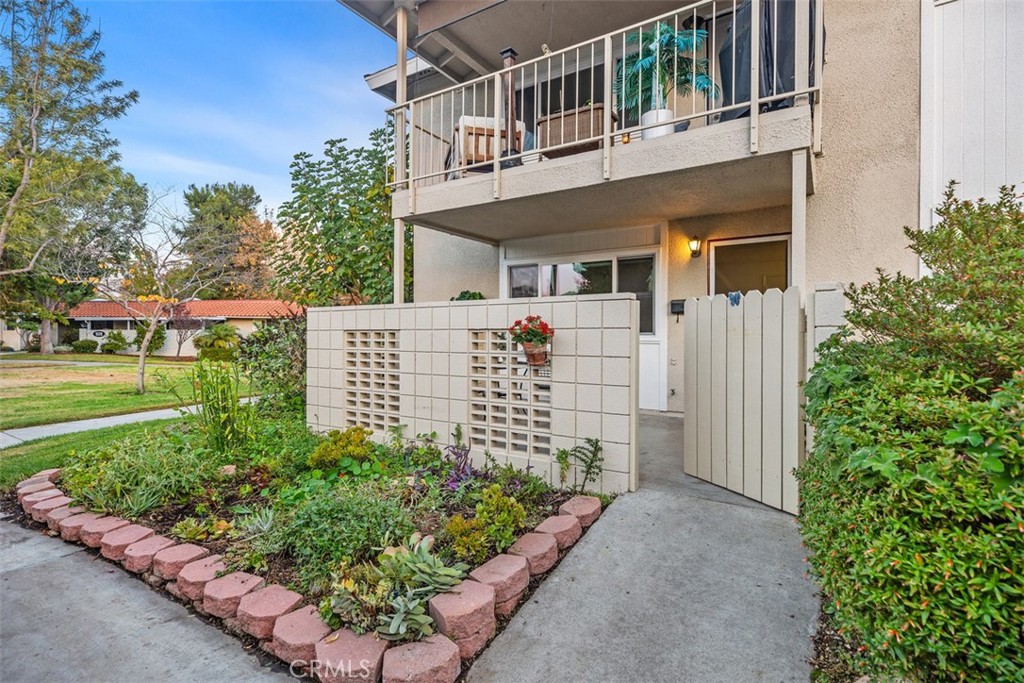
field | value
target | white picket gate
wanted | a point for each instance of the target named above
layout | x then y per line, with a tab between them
743	372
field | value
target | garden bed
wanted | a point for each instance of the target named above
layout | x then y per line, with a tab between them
401	546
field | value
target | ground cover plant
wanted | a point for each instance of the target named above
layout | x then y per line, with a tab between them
367	529
913	498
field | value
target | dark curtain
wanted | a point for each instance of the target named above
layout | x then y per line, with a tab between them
777	72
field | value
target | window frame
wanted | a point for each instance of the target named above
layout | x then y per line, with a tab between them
653	252
733	241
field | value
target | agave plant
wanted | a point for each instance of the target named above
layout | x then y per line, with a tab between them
662	61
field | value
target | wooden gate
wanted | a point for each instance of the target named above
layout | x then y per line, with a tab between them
743	370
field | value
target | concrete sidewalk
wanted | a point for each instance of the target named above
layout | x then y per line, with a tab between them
13	437
68	617
681	582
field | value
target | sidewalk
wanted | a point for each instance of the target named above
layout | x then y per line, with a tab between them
68	617
13	437
681	582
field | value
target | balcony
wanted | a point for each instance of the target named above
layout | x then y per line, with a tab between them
650	122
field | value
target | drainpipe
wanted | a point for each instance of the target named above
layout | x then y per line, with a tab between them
398	255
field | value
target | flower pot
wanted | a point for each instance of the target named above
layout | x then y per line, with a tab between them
536	354
655	116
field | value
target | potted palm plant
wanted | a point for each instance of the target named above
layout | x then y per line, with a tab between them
662	62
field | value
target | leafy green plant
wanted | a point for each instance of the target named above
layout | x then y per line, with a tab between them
334	525
115	342
913	497
468	540
468	295
273	356
217	343
501	516
190	529
138	473
391	598
85	346
589	461
223	419
352	445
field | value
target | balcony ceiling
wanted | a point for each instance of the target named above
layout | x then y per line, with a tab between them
462	38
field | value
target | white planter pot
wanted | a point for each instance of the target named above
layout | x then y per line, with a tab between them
656	116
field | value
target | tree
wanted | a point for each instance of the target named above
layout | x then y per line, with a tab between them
218	342
229	212
251	262
185	326
158	273
55	103
337	229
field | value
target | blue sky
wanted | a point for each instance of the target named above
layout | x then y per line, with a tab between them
232	90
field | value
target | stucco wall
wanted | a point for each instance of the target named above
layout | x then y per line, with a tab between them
688	276
444	265
867	177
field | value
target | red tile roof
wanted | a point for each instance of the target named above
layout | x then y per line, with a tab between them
212	308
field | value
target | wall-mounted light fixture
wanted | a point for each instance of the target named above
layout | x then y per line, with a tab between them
694	244
625	138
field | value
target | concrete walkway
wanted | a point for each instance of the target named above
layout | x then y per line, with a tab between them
68	617
13	437
681	582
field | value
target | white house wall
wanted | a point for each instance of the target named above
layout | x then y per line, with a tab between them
972	98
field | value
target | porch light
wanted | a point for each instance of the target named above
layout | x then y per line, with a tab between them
694	244
625	138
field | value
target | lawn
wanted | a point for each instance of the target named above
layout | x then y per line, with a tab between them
37	395
23	460
90	358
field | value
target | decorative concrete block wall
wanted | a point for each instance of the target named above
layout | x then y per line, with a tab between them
435	365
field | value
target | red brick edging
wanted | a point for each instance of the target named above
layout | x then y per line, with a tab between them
466	616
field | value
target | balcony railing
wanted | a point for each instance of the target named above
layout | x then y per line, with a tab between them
696	66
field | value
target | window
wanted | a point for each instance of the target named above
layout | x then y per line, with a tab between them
637	275
746	265
101	324
633	274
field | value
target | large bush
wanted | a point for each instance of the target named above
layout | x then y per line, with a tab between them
217	343
913	498
274	357
85	346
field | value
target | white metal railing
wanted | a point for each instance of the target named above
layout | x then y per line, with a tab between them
695	66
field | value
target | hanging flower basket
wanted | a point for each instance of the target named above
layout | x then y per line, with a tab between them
533	334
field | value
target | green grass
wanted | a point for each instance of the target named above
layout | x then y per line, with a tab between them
45	395
22	461
91	358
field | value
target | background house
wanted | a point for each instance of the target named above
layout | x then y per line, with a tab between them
97	319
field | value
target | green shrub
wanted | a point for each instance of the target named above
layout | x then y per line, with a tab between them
217	343
274	358
136	474
85	346
468	295
352	444
501	516
156	343
115	342
63	348
282	444
335	525
913	497
468	540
